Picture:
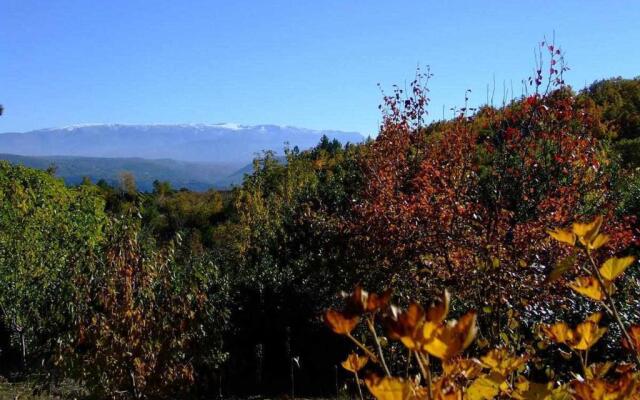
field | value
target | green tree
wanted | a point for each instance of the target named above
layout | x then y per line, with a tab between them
46	231
618	102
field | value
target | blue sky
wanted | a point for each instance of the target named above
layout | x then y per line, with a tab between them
312	64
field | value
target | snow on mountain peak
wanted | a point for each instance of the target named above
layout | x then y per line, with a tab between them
202	127
230	125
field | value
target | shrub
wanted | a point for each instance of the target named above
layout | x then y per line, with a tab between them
499	372
144	319
465	203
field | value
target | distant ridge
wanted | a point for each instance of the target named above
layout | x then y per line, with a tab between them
217	143
194	156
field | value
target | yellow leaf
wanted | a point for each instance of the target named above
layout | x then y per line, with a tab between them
430	331
586	232
446	340
485	387
588	286
587	334
563	236
598	370
558	332
500	361
354	362
525	390
614	267
595	317
388	388
561	393
598	241
444	389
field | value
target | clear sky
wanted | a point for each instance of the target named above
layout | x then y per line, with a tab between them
311	64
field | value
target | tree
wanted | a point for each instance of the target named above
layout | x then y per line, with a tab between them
46	231
618	102
128	183
285	249
146	317
465	204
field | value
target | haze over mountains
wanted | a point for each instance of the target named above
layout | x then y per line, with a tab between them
195	156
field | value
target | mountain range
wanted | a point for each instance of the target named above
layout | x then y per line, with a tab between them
195	156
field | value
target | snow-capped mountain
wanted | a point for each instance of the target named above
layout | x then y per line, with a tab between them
195	156
217	143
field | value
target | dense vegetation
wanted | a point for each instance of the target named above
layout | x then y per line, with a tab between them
151	295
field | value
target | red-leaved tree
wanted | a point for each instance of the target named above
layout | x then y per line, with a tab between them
466	203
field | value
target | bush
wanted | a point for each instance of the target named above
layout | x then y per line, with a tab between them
464	204
47	231
144	320
508	370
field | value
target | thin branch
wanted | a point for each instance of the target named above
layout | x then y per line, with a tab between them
364	348
427	364
426	373
358	385
375	337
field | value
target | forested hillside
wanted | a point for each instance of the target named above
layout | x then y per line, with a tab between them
177	294
181	174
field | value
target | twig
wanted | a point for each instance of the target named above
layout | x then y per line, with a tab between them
427	364
372	328
426	373
364	348
358	385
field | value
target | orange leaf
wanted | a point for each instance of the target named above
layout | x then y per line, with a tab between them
340	323
438	311
406	326
354	362
362	301
634	334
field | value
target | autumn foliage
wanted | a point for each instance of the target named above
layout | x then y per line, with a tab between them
499	248
138	324
466	203
503	371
